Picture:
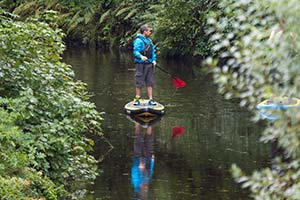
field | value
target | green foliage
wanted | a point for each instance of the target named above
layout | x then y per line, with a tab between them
93	22
281	182
17	179
120	20
72	16
238	33
46	112
179	26
256	44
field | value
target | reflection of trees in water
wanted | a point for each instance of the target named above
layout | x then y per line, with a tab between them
228	137
198	162
143	161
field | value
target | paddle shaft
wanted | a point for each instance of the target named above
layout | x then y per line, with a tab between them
177	82
173	77
163	70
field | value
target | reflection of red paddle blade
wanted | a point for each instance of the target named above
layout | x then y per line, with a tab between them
178	83
177	131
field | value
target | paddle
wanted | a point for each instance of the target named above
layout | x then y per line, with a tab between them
177	82
177	131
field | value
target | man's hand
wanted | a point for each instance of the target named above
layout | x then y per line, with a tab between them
154	63
144	58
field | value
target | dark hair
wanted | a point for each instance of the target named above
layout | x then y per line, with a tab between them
144	28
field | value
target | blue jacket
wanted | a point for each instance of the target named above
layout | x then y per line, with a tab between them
139	45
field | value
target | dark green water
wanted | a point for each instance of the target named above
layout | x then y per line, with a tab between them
194	165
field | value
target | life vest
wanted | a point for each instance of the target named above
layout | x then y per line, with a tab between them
147	50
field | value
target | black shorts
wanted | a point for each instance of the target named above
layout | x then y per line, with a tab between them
144	75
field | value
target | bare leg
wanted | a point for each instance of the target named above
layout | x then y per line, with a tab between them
149	89
138	92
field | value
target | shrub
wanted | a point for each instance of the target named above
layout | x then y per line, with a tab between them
47	106
256	42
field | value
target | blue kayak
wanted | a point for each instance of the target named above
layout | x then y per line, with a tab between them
268	109
283	103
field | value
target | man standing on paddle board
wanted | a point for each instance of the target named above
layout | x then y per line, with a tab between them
145	60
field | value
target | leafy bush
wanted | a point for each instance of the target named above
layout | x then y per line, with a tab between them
48	108
18	180
256	43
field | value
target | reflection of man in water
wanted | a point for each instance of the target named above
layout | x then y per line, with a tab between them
143	161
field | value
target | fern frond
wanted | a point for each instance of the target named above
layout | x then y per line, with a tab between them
52	4
104	16
88	16
76	19
26	8
124	10
131	13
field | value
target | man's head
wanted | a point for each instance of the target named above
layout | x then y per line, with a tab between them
145	30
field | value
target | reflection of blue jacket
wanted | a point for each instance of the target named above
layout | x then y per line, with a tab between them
139	45
139	177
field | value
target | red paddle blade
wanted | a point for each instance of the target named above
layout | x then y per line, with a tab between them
177	131
178	83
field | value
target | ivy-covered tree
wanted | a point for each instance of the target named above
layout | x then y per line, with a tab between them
257	51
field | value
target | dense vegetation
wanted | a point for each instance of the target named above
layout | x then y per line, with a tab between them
257	44
44	115
114	23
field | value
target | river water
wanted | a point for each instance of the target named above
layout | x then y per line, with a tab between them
186	154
